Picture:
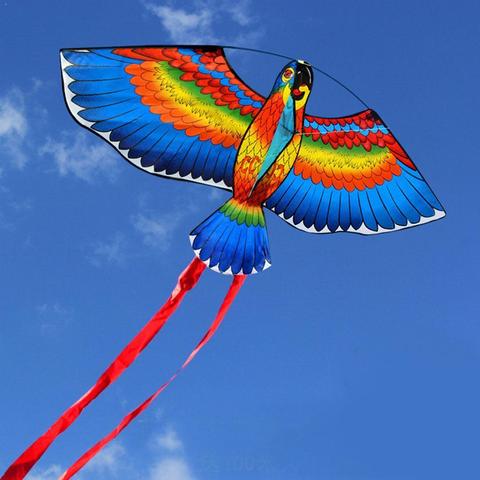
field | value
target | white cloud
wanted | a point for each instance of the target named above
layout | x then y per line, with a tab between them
114	461
53	317
12	118
172	464
240	12
171	468
52	472
111	462
156	230
182	26
108	461
112	251
83	157
167	440
14	126
199	21
38	84
54	308
159	413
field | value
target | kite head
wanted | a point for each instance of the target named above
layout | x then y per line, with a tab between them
295	81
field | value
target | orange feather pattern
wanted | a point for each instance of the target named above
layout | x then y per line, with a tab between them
179	105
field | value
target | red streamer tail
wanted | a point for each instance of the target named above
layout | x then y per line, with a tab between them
186	281
86	457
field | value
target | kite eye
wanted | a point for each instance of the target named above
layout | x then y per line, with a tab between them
287	74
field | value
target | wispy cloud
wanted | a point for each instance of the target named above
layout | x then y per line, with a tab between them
112	251
115	461
53	317
171	463
241	12
182	26
52	472
19	111
171	468
151	229
109	461
83	157
208	21
13	126
156	230
168	440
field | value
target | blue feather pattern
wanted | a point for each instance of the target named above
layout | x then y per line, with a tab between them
107	100
229	246
405	199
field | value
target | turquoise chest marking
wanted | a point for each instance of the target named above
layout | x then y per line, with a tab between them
283	135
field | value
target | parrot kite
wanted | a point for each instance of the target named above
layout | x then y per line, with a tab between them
182	112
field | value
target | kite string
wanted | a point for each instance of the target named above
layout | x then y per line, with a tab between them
323	72
235	286
186	281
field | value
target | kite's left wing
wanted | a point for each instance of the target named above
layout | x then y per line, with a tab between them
351	175
173	111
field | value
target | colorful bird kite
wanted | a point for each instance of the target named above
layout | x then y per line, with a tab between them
183	112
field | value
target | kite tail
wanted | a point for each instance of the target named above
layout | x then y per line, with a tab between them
186	281
89	454
233	239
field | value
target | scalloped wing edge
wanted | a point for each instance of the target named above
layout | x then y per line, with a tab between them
229	270
136	162
363	229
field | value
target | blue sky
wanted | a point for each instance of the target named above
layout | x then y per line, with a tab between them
352	358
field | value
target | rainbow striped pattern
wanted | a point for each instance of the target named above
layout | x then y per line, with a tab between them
351	175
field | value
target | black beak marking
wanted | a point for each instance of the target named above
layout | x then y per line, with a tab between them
304	75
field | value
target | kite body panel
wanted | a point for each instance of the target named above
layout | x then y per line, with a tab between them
266	155
233	239
183	112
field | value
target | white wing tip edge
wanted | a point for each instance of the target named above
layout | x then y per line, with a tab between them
363	229
75	110
229	270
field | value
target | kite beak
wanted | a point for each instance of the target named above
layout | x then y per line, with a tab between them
303	80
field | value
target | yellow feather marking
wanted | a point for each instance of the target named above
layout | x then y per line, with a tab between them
343	158
220	119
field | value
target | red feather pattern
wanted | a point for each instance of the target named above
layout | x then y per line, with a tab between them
345	135
212	61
